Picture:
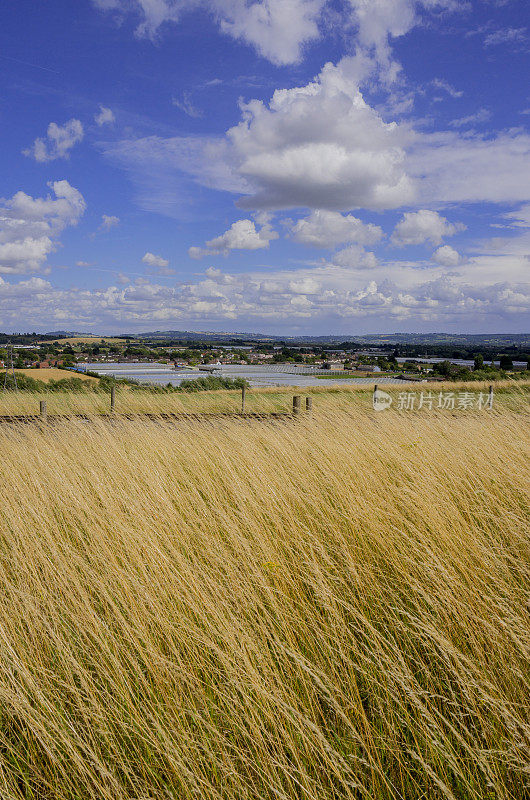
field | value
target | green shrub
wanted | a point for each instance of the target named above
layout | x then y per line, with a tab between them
211	382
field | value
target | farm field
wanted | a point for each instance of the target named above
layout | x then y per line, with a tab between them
89	340
334	606
55	374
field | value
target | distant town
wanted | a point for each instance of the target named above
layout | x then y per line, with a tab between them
436	356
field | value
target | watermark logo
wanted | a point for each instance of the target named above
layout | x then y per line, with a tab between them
381	400
410	401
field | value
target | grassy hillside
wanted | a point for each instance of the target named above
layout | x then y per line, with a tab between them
335	607
54	374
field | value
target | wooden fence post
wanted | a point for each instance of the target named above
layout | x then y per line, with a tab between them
297	404
243	392
112	398
43	411
309	404
490	397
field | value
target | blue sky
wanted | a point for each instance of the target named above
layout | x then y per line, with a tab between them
285	166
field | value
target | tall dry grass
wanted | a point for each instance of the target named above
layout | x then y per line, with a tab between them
141	400
329	608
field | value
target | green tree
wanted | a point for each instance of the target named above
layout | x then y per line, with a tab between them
443	368
479	361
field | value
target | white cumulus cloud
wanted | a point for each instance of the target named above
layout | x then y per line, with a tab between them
355	257
105	116
447	256
330	228
108	221
380	21
58	142
325	295
320	146
155	261
277	29
417	227
242	235
30	227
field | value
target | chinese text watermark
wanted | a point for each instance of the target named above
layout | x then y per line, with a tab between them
410	401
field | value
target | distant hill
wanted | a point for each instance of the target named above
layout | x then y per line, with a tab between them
70	334
477	341
462	339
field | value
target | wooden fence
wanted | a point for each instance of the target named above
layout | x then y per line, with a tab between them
114	414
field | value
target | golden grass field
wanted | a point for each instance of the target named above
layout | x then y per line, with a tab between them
322	608
47	374
328	396
87	340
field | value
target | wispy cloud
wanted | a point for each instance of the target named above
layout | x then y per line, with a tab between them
482	115
185	104
506	35
440	83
